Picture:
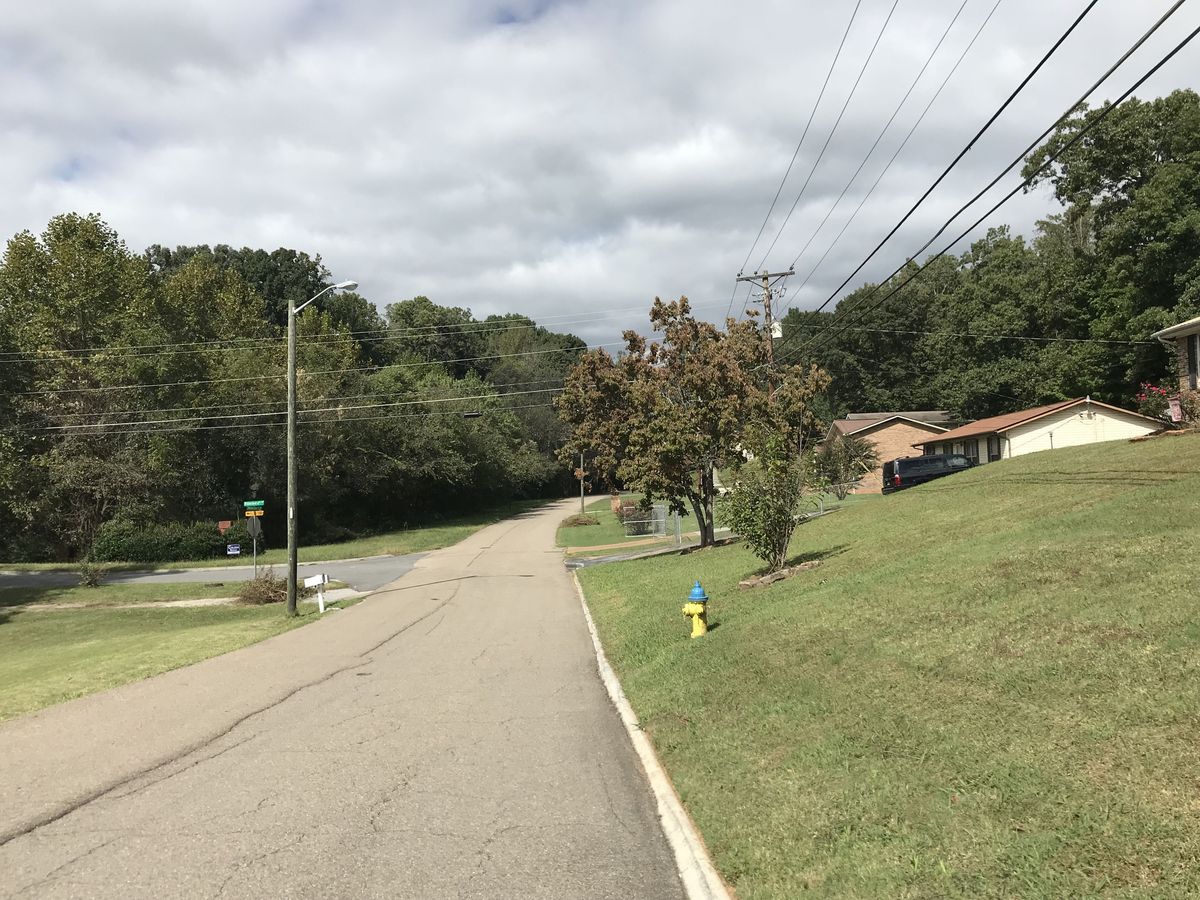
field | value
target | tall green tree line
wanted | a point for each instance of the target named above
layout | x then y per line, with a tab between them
168	348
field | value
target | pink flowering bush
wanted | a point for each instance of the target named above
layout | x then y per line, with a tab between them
1152	401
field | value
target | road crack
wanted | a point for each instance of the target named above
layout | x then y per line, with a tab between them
134	779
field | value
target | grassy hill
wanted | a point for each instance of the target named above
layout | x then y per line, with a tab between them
989	687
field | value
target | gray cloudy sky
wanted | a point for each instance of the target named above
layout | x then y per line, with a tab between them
560	158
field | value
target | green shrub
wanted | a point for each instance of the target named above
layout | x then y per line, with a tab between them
579	519
150	542
637	517
762	505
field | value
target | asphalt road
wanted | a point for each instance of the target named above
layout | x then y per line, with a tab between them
362	574
447	737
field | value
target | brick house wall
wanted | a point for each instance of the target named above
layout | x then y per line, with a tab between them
1182	368
892	440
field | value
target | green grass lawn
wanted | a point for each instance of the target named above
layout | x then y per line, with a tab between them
116	594
608	530
988	688
112	594
48	657
395	543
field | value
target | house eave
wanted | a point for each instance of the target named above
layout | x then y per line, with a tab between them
1183	329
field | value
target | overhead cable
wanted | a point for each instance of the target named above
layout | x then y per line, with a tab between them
1101	115
832	132
871	190
796	152
965	150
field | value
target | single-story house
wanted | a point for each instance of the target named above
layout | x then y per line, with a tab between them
892	433
1065	424
1184	339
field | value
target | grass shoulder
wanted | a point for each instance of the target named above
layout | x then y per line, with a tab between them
418	539
984	689
47	657
114	594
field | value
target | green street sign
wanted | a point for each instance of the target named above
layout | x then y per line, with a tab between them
254	504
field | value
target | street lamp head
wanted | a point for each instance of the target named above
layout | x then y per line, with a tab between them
340	286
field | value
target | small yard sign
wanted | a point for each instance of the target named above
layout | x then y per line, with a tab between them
233	549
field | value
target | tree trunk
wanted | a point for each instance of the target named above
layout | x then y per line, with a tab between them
710	493
697	502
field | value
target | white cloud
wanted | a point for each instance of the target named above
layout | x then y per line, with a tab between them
534	156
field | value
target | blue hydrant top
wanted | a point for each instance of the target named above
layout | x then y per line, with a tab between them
697	595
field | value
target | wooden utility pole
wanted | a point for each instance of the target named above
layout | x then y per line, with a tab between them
769	279
581	476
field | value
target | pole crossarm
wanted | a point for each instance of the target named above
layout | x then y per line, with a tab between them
771	277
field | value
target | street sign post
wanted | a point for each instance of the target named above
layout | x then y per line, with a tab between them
254	511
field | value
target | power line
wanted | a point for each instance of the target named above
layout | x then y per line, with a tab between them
372	369
796	153
833	131
882	132
1101	115
260	344
258	415
1036	141
1033	145
971	143
337	421
895	154
275	403
984	335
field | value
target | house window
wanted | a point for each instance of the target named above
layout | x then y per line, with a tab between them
1193	358
971	450
993	447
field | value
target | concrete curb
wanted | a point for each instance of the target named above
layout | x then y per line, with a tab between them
700	878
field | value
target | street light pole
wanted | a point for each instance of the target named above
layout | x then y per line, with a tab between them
294	311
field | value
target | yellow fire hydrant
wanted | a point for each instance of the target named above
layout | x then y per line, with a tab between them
696	607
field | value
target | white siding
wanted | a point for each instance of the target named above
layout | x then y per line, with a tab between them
1082	424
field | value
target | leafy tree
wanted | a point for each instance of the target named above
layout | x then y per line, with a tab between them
841	462
667	413
280	277
422	330
595	404
66	295
1134	179
150	388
